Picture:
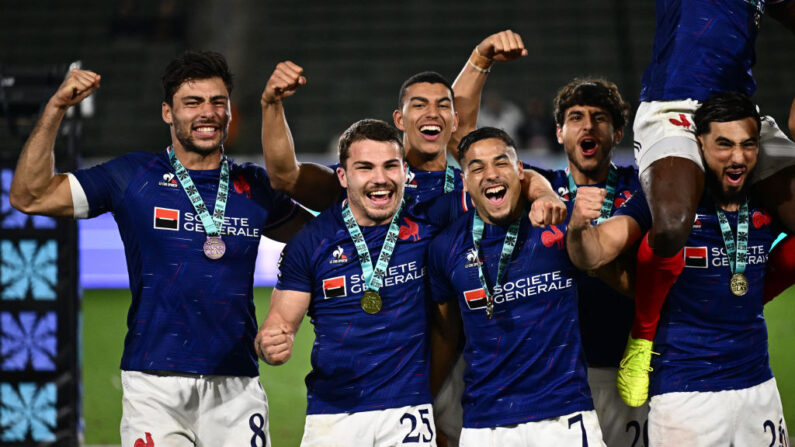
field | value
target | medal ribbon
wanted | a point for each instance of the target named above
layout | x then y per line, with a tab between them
212	226
612	183
373	279
507	251
738	251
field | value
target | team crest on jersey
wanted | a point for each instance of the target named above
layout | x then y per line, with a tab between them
410	182
696	257
697	222
338	256
680	121
334	287
410	230
169	180
166	219
472	258
622	198
475	299
552	236
241	186
761	219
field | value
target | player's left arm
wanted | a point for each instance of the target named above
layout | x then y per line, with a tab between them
619	274
468	86
445	334
783	12
274	341
546	206
287	229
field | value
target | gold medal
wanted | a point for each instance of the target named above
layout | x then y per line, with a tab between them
738	284
371	302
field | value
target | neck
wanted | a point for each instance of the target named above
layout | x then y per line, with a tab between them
425	162
589	178
516	211
197	161
731	207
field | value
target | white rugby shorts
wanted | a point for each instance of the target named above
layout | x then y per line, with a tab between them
666	129
176	410
410	426
575	429
751	416
621	424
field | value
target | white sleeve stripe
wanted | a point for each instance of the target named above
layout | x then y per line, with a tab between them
79	199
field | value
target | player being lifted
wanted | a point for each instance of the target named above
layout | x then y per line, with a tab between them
191	324
712	383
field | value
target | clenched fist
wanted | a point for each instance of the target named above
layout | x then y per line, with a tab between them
284	81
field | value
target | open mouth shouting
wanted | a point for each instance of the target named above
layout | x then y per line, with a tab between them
430	131
588	146
380	197
495	194
734	174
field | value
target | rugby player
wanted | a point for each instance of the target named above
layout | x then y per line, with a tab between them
510	289
191	221
700	48
590	115
711	383
359	270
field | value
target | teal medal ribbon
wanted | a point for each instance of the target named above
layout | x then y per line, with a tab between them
738	252
505	257
373	278
214	247
610	186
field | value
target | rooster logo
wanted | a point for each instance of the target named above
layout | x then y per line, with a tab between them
242	186
621	199
681	122
761	219
552	237
149	442
411	230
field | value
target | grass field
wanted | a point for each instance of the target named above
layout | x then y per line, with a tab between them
104	314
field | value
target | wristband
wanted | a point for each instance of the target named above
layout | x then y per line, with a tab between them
479	62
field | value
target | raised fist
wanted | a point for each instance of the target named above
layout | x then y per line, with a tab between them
284	81
77	86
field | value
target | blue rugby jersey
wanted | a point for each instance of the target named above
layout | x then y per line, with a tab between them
427	185
708	338
702	47
526	364
605	315
188	313
362	362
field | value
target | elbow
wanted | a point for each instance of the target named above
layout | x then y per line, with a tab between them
20	202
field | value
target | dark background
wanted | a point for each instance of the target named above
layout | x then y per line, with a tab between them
355	55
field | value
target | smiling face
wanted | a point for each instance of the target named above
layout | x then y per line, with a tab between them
374	174
199	116
588	136
492	177
427	119
730	151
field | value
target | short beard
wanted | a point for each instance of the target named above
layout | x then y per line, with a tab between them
715	188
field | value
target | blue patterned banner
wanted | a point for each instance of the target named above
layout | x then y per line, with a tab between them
28	340
25	266
27	412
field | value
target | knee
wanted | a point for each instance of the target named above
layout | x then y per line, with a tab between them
670	230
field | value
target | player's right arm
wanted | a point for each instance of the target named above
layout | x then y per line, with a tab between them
589	246
36	188
313	185
274	341
468	86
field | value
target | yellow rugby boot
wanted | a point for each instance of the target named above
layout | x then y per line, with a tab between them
633	372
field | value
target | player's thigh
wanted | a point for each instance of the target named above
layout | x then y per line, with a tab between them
759	420
776	151
233	412
579	429
693	419
157	410
447	409
621	424
665	129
